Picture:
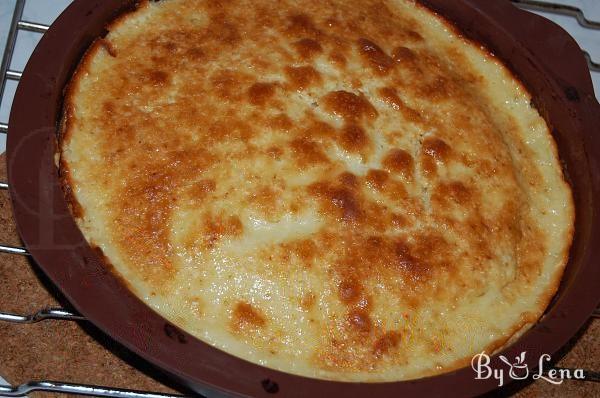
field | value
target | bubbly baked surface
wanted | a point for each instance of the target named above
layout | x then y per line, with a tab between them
346	190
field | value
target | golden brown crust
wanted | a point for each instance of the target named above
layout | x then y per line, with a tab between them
424	206
548	294
65	129
66	184
245	317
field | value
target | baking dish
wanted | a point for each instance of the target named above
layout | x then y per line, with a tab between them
543	56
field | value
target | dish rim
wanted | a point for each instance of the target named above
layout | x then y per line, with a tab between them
55	242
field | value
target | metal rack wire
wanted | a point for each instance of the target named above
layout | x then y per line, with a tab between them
18	24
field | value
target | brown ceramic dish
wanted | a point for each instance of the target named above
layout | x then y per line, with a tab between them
541	54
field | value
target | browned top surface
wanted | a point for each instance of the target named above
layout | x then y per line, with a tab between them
57	350
180	138
53	350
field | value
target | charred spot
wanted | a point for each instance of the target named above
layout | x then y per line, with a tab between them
375	243
404	55
348	179
274	152
195	53
319	128
234	226
386	343
428	252
108	106
157	77
307	48
307	151
354	138
439	89
349	106
74	205
349	291
302	77
224	31
228	128
428	165
356	84
375	57
202	188
391	98
436	148
245	317
399	161
167	45
338	59
398	220
342	202
264	198
414	35
404	258
459	192
281	122
376	179
306	250
345	200
455	191
218	227
432	245
226	84
260	93
108	46
302	25
308	301
360	321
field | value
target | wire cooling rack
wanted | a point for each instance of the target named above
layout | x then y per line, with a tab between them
17	25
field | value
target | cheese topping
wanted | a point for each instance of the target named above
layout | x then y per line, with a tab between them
345	190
